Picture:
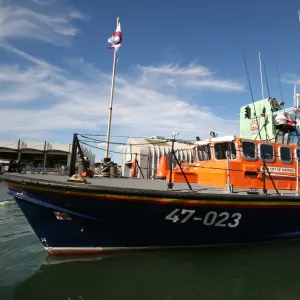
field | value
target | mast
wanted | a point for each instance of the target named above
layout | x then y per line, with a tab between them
112	87
295	98
261	77
111	104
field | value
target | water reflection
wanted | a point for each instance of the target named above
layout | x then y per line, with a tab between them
269	271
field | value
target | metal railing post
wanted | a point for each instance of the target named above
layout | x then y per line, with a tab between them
229	185
297	176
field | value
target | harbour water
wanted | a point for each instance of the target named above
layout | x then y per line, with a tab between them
262	271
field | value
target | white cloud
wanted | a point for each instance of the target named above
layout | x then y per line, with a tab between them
75	14
176	70
36	135
28	57
223	85
120	148
291	78
21	22
192	77
101	145
43	2
139	108
152	100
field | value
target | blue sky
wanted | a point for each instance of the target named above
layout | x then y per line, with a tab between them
180	67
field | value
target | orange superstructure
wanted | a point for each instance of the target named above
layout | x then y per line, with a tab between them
240	162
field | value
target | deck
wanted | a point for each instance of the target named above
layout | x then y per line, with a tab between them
133	184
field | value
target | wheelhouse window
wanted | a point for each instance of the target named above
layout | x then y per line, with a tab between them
221	148
266	152
203	152
249	150
285	154
298	153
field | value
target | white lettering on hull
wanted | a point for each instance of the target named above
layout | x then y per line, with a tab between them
211	218
279	169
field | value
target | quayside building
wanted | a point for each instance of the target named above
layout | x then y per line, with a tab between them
42	155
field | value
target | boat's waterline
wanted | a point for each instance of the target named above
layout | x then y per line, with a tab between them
97	250
103	250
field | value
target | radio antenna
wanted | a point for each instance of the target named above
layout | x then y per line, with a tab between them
261	77
279	82
266	79
244	57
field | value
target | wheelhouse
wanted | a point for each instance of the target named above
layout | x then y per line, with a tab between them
244	163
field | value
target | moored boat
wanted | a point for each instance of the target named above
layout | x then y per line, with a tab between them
238	190
127	214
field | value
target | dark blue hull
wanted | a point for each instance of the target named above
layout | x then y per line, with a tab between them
80	223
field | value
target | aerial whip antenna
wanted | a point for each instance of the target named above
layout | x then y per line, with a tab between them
279	82
244	57
266	79
261	77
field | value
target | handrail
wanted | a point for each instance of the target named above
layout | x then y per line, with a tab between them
297	177
229	185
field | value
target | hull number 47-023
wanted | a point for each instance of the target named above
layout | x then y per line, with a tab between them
211	218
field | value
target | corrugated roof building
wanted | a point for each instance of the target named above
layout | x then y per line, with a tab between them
148	151
47	153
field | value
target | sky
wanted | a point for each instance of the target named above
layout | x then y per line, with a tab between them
180	67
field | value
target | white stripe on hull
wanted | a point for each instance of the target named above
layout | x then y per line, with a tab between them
86	250
58	250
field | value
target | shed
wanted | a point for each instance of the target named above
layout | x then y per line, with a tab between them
148	151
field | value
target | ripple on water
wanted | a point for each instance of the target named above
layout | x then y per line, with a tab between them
20	249
6	202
